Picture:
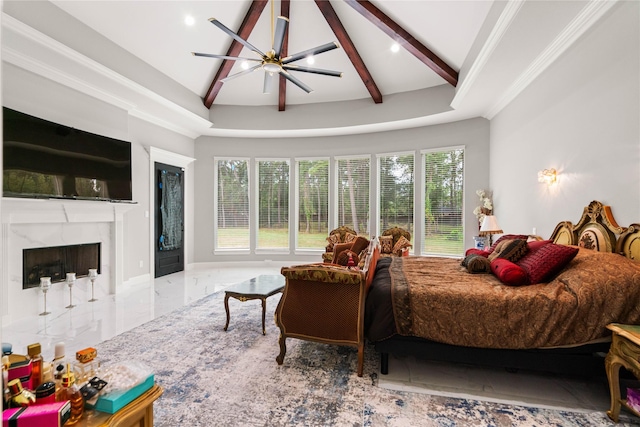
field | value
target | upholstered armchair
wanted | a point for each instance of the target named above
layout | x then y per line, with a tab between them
325	303
336	236
395	241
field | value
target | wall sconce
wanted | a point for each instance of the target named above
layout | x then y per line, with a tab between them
548	176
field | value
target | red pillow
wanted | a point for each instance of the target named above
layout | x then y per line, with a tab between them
543	264
474	251
509	273
506	236
537	244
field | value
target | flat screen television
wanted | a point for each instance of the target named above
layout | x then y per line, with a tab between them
42	159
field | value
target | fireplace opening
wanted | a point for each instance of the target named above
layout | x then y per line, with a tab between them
57	261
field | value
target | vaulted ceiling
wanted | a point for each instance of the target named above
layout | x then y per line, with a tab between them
458	58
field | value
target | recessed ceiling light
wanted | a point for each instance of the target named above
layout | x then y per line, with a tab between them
311	60
244	65
395	47
188	20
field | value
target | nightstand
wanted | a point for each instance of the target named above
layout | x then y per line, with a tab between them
624	351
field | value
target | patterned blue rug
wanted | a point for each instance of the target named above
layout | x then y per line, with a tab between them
216	378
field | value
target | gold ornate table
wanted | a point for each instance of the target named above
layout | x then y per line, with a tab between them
261	287
624	351
138	413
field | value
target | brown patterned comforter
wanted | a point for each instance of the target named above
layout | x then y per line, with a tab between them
436	299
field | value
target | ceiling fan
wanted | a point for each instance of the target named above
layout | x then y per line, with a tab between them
271	62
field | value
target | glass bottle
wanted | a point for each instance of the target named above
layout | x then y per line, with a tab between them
71	392
20	396
34	351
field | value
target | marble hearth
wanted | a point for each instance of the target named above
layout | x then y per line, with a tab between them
35	223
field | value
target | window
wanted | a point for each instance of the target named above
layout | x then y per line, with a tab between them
313	203
443	189
353	193
233	204
273	204
396	191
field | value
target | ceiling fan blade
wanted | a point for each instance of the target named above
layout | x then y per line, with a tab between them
231	58
296	82
310	52
268	81
241	73
236	37
278	38
294	67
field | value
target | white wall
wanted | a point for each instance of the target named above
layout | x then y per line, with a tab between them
581	117
473	134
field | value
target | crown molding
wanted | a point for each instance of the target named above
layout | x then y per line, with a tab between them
589	15
505	20
24	61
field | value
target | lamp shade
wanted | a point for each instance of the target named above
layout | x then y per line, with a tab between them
490	226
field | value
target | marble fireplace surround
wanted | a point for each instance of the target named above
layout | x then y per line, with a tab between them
32	223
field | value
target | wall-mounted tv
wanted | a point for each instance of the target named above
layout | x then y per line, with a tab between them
42	159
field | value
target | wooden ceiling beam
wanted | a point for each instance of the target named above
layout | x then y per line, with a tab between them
406	40
345	41
249	22
282	82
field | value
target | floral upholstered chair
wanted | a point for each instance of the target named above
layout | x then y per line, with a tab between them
395	241
342	234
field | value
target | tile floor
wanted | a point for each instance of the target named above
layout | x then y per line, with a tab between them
88	324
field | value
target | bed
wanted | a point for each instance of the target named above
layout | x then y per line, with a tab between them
434	308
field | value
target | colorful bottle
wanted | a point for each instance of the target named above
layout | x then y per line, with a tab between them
71	392
20	396
34	351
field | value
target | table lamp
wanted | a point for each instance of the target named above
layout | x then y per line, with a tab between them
489	227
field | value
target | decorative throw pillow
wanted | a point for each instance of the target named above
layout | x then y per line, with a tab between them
512	250
400	245
543	264
359	244
478	264
506	237
338	249
343	257
386	244
474	251
509	273
349	237
332	239
535	245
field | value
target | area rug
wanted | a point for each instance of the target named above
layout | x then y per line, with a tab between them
216	378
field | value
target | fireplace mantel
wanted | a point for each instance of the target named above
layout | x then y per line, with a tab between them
47	211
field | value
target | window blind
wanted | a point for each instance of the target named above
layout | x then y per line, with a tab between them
395	187
232	231
444	185
353	193
313	203
273	204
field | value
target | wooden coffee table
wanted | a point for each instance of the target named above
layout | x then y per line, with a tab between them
261	287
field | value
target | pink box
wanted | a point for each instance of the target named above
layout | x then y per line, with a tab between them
48	415
633	398
22	370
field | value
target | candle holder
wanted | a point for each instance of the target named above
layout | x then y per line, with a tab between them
71	278
93	275
45	284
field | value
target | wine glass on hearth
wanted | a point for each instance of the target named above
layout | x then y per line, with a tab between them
45	284
71	278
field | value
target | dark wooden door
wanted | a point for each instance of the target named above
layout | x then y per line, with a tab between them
169	219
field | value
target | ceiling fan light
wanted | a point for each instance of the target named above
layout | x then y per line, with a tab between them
271	67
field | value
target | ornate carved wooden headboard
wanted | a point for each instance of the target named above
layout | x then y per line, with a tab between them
598	230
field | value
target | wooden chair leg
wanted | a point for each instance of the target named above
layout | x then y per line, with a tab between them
360	359
283	349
